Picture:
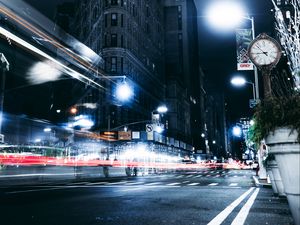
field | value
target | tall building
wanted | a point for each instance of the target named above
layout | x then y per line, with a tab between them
155	45
128	35
183	77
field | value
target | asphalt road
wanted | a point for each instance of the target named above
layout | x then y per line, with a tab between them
203	197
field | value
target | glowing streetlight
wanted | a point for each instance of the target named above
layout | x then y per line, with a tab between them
237	131
226	15
123	91
241	81
162	109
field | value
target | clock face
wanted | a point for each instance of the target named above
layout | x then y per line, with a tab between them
264	52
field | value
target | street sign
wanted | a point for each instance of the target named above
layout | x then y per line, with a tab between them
124	135
149	127
253	103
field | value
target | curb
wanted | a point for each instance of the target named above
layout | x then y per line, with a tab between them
260	184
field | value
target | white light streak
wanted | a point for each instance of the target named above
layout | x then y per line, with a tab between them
30	47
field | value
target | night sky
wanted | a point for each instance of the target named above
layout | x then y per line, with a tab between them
217	51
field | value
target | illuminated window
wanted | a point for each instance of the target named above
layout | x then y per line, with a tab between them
113	64
114	19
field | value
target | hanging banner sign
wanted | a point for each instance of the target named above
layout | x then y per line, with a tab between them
243	39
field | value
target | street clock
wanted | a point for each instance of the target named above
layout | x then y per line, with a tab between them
264	51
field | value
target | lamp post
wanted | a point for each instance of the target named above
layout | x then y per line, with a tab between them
254	67
123	93
156	120
227	15
4	66
241	81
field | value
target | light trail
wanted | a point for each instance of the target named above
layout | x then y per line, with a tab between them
32	48
88	66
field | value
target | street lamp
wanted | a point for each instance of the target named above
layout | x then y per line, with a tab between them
228	14
160	110
241	81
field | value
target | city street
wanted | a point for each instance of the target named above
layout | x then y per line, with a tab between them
202	197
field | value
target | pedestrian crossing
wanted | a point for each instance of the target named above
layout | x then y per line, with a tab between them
156	184
208	178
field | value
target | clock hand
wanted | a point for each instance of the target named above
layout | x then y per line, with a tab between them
266	53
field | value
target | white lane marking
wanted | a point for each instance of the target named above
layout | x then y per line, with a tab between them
217	175
193	184
224	214
184	182
242	215
172	184
190	176
233	184
199	176
208	175
133	183
145	187
154	183
179	176
213	184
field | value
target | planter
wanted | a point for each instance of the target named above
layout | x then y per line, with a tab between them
275	177
284	145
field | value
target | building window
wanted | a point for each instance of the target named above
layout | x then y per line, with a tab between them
105	40
113	40
114	19
122	65
114	2
122	20
105	20
179	18
147	28
113	64
122	41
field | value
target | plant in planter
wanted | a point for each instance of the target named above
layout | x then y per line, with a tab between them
277	121
276	112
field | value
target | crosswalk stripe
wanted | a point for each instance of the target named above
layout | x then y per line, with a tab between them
154	183
190	176
213	184
193	184
199	176
233	184
133	183
172	184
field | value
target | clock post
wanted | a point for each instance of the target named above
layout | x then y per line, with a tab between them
265	52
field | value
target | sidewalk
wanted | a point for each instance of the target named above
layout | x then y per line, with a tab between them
270	209
261	182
